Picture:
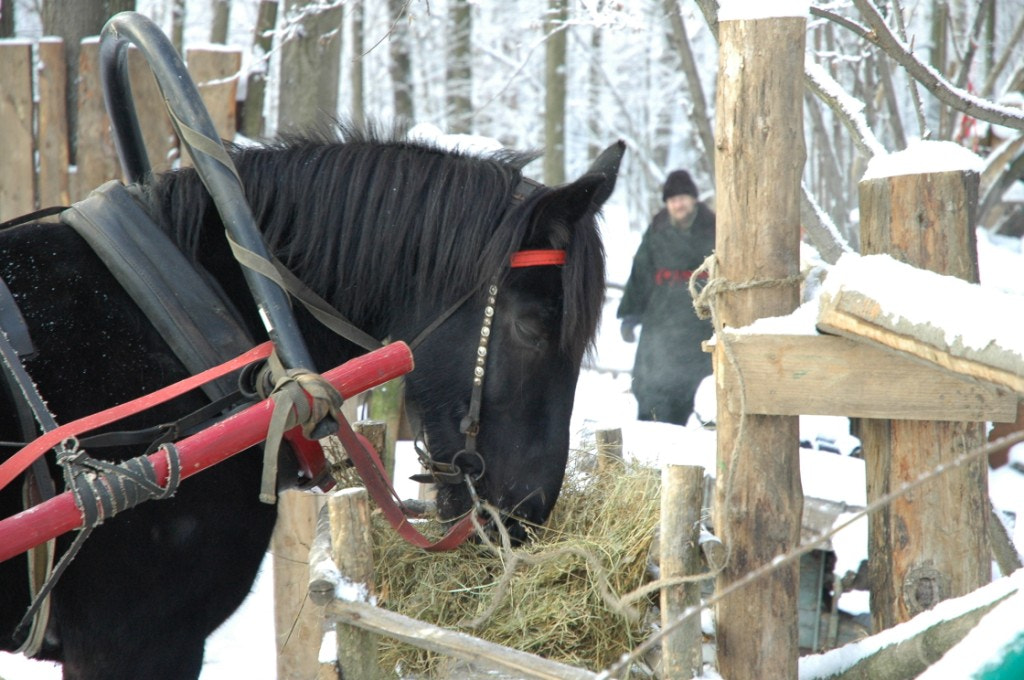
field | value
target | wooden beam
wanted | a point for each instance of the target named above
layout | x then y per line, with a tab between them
436	639
835	376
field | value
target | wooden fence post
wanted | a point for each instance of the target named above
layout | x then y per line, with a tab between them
298	625
52	143
758	502
352	547
682	495
933	543
608	445
17	171
376	432
216	71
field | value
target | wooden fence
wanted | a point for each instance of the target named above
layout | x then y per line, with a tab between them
43	164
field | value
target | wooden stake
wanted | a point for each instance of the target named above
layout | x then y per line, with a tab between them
353	553
608	444
682	493
298	624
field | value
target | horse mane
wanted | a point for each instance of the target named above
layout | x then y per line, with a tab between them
402	220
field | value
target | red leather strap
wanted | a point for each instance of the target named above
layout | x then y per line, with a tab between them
536	258
16	464
371	471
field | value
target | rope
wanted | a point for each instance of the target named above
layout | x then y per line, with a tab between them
101	490
705	304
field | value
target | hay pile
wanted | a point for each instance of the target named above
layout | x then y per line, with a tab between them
557	597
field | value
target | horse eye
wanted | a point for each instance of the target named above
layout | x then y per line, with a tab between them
530	333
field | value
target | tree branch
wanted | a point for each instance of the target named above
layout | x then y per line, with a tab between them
954	97
699	115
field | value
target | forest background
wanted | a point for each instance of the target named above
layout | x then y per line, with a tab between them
570	77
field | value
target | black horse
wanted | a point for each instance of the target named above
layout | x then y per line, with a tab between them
392	234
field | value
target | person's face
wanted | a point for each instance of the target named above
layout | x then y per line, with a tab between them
680	207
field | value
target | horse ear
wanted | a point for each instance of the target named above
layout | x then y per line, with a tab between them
607	164
572	201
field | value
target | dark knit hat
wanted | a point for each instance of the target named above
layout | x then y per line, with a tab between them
678	183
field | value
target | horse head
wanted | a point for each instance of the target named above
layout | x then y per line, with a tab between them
494	384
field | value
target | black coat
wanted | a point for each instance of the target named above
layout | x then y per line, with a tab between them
669	361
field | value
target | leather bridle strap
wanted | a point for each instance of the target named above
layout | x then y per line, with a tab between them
371	471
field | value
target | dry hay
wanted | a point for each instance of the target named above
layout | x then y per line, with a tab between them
557	597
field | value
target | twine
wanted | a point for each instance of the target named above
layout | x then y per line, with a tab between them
705	304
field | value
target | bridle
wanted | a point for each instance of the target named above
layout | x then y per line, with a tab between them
467	465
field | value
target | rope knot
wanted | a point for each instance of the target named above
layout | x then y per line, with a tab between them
301	399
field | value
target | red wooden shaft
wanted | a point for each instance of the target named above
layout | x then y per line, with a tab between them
222	440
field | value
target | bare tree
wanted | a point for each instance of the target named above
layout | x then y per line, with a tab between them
253	122
401	62
310	64
357	73
555	91
221	21
459	67
7	19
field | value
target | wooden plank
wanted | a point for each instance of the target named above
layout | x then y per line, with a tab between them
53	124
151	110
835	376
436	639
215	71
96	159
17	168
864	315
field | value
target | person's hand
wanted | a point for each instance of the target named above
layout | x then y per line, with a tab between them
629	323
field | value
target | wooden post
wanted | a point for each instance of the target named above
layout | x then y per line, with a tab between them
353	553
682	494
53	124
151	109
930	544
377	433
95	156
298	624
608	445
17	187
758	501
215	71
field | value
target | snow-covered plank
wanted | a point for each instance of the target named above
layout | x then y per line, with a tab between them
797	374
961	327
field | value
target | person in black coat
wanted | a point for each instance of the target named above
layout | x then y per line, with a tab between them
669	363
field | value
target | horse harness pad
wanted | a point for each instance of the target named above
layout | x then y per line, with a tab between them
192	317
